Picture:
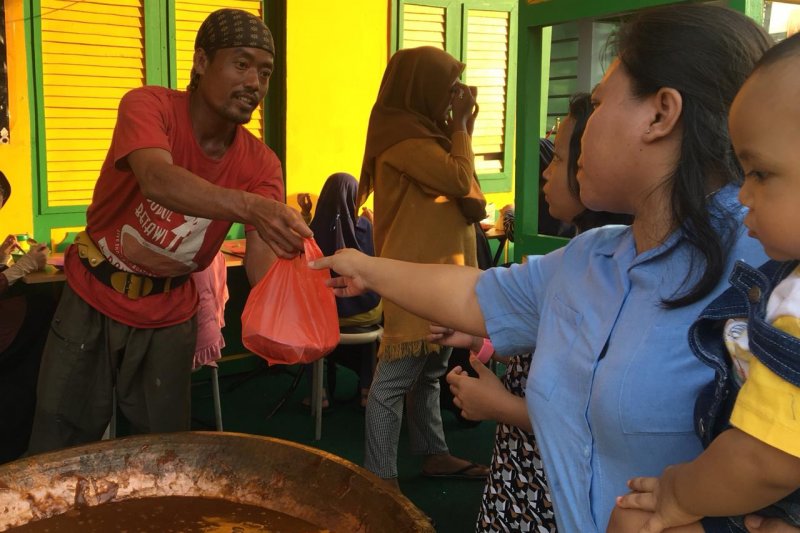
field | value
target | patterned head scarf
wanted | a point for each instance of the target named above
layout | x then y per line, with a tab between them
232	28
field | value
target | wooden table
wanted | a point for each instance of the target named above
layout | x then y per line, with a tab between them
499	234
50	274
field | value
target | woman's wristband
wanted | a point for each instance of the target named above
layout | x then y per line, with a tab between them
485	353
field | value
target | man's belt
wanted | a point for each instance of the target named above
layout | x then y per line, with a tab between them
134	286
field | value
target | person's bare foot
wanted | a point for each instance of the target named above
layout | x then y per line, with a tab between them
448	466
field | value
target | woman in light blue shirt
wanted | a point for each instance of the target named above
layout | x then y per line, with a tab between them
613	383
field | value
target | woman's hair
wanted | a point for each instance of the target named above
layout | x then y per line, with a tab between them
704	52
580	108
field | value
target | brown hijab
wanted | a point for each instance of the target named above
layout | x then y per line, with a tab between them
412	97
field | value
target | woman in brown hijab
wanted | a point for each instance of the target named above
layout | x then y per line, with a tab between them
419	163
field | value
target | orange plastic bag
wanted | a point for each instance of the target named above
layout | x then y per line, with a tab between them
290	316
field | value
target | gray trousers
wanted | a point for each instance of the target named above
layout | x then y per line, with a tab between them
88	355
416	379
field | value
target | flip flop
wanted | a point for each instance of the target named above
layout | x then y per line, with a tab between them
470	471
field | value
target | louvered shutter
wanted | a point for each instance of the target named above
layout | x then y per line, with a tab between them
92	54
423	26
189	14
563	71
486	57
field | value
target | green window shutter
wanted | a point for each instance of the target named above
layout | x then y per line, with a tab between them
189	14
487	69
423	26
563	71
92	53
481	33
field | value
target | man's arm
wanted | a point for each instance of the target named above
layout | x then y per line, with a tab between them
174	187
258	257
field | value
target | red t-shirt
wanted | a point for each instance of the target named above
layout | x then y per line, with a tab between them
138	235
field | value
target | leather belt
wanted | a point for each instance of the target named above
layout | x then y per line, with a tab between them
134	286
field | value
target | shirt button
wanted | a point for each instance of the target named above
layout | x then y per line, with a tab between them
754	294
587	452
702	428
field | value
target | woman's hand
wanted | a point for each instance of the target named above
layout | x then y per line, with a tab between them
305	203
39	254
9	243
476	397
465	108
367	213
349	264
456	339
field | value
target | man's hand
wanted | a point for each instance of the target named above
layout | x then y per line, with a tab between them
456	339
476	397
280	226
657	495
349	264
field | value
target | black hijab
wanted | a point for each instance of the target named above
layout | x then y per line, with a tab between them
336	226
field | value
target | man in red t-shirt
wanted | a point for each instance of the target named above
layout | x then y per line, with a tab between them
180	169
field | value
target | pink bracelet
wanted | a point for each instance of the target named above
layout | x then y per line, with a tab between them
485	353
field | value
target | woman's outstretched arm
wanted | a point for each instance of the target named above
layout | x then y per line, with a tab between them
444	294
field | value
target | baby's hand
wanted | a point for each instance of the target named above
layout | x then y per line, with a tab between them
656	495
476	396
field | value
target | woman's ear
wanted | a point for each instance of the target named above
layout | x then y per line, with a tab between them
667	107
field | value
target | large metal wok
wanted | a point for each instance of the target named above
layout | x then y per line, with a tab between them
297	480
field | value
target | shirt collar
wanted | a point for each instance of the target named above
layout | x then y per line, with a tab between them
723	204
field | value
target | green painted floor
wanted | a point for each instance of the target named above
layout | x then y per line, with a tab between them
247	398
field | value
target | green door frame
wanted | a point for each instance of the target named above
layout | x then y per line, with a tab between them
533	61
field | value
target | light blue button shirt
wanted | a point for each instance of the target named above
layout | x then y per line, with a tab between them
612	384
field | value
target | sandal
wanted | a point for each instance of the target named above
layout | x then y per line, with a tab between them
470	471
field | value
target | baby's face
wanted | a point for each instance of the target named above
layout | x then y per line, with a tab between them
765	129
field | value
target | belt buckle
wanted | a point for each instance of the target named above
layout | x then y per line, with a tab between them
131	285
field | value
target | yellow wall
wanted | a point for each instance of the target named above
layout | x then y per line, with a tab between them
337	52
15	157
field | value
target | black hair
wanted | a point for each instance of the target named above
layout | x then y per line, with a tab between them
580	108
194	77
704	52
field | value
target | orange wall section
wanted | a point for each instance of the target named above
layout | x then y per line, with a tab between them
15	157
336	55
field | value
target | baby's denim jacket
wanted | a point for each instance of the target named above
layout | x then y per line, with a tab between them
780	352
